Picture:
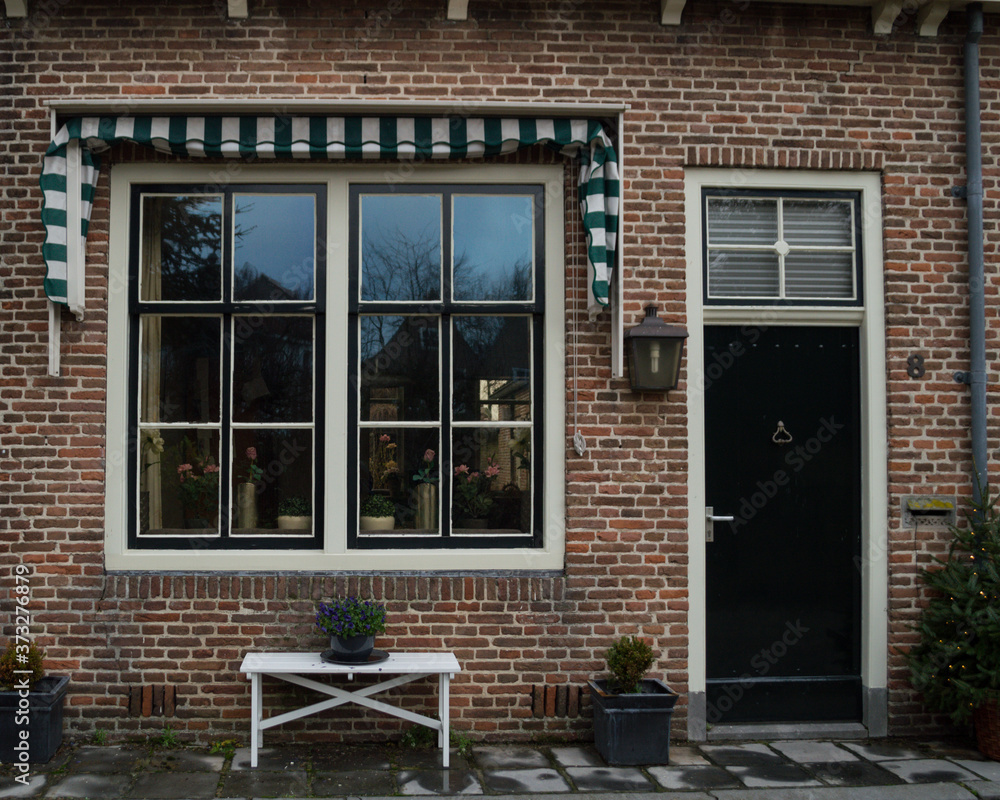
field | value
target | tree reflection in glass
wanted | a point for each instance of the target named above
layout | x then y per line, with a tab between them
400	247
493	241
181	248
492	368
272	369
399	368
274	253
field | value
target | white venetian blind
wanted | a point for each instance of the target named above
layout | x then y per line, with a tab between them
780	248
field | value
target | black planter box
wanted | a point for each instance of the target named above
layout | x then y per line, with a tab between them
42	718
633	728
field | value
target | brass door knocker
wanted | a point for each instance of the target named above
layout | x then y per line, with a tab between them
781	436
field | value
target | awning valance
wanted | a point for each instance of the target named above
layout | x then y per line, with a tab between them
325	137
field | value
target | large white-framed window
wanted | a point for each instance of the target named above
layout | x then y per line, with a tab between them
518	414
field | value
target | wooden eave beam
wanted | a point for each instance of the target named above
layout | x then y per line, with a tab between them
458	9
670	11
16	8
930	17
238	9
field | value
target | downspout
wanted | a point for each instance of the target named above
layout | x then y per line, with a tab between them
977	294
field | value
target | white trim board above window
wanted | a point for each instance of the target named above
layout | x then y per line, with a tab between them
545	551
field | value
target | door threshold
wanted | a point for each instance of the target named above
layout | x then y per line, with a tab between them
787	730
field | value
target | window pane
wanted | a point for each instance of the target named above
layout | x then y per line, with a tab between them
491	359
743	274
180	369
819	275
817	223
400	247
400	375
282	481
735	220
272	369
274	250
491	480
492	241
178	481
181	249
403	464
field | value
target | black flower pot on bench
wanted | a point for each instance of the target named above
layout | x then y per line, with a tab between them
633	728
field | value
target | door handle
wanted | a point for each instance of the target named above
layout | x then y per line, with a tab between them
710	520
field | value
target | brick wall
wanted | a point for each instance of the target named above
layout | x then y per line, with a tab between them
736	85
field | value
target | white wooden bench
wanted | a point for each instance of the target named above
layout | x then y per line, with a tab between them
291	667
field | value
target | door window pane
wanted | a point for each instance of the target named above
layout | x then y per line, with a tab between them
819	275
740	274
742	221
180	366
400	373
492	247
491	359
274	248
272	369
400	247
817	223
181	248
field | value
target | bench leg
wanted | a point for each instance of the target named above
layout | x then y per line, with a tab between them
444	737
256	710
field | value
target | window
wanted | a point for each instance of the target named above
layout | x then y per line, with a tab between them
226	331
446	342
797	248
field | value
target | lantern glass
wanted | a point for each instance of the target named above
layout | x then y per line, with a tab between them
654	353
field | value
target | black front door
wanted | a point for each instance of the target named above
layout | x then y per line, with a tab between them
783	582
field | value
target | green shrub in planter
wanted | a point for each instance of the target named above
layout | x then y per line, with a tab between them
629	659
31	710
377	505
296	506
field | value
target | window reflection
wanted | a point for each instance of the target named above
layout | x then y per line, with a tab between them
272	369
491	480
492	368
400	247
274	254
399	368
181	248
492	240
180	369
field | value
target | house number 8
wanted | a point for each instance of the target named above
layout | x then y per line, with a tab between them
915	366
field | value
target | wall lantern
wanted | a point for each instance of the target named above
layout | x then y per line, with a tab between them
653	350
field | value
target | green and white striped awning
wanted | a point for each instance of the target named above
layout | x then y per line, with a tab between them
322	137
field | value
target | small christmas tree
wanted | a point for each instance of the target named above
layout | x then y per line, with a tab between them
956	665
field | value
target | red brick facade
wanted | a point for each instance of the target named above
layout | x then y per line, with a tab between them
736	85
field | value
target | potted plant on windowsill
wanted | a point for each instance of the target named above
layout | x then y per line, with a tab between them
472	499
352	625
246	492
956	664
294	513
31	708
632	713
377	513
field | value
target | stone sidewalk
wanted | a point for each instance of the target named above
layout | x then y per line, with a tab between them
776	770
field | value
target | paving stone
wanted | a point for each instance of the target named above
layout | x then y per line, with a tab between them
768	775
609	779
174	785
106	759
987	791
185	761
525	780
427	758
928	770
741	755
438	781
883	751
938	791
853	773
688	756
260	783
90	785
12	788
354	781
500	757
577	757
692	776
326	758
808	752
987	770
271	758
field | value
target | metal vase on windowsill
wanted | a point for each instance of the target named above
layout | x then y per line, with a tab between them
426	519
246	505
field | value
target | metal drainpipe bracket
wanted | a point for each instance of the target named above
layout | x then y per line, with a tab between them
959	191
963	377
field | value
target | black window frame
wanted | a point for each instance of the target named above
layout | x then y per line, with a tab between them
227	309
445	309
795	194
